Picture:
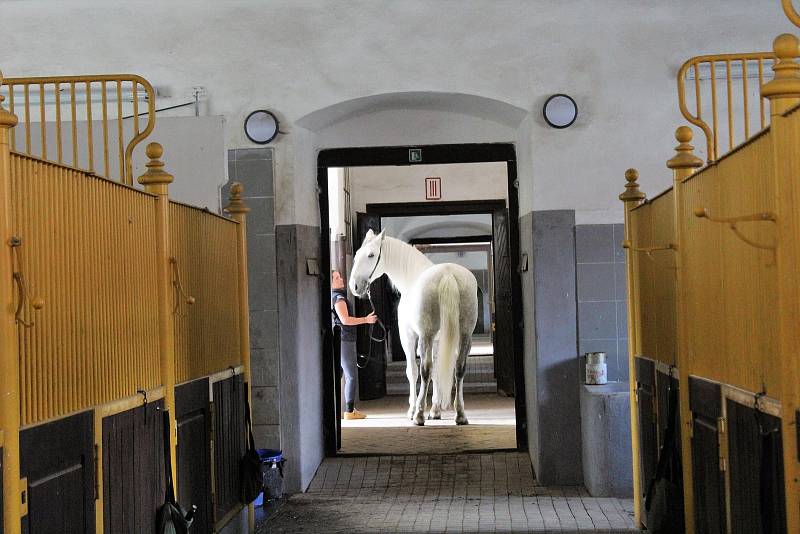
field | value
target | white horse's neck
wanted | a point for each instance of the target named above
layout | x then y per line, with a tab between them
403	263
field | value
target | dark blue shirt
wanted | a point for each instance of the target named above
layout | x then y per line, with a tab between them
348	332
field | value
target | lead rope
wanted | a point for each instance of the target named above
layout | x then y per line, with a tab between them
363	361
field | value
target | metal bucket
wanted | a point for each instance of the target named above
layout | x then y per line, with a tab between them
596	369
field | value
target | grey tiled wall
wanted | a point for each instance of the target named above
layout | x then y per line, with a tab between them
253	167
601	292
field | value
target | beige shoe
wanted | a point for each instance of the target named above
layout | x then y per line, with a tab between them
355	414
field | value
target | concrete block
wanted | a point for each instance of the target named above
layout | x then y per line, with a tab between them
594	243
597	320
261	219
267	436
622	319
606	440
261	290
257	177
621	281
595	281
619	237
264	372
265	406
244	154
263	329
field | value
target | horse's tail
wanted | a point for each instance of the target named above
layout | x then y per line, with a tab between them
449	320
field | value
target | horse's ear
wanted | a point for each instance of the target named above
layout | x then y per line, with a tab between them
369	235
382	235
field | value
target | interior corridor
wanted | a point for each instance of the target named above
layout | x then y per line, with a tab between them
491	492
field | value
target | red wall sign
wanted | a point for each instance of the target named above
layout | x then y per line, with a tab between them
433	188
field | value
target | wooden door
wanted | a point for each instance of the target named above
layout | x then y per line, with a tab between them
229	443
708	480
755	454
58	460
503	320
648	427
194	452
372	377
133	469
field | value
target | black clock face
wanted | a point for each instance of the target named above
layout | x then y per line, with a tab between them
261	127
560	111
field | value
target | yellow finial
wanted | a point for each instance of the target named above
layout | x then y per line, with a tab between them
786	83
685	158
235	203
632	192
156	178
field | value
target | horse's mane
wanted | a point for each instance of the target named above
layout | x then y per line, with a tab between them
403	263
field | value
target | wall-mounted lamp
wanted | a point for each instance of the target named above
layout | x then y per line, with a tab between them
560	111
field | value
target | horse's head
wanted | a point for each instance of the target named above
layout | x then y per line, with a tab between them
367	264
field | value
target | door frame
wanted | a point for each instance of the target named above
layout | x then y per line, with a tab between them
400	156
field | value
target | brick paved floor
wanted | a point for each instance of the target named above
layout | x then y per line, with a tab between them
387	430
491	492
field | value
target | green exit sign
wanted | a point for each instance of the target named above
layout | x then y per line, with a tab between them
415	155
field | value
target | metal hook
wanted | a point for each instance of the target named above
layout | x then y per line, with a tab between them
732	222
22	291
179	292
143	393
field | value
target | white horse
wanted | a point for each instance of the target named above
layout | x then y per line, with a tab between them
434	299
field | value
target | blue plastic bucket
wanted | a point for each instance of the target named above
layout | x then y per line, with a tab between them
272	473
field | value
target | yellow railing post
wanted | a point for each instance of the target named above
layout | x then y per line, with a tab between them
632	197
683	164
156	181
783	93
9	343
238	210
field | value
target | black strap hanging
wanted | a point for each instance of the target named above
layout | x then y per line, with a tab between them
770	482
363	361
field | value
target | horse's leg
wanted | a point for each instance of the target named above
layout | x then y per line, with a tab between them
461	370
409	340
426	369
436	403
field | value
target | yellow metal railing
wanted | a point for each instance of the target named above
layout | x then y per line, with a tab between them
92	123
89	266
205	297
725	103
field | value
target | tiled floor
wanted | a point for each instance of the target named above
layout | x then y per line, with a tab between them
387	430
491	492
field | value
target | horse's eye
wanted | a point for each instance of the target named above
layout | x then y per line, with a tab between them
371	255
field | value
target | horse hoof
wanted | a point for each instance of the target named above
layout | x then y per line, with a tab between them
434	415
410	413
462	420
419	420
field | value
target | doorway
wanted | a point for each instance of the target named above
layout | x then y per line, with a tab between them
502	334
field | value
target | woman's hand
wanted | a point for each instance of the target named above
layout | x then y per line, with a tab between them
371	318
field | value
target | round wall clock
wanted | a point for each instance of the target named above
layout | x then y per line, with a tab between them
560	111
261	126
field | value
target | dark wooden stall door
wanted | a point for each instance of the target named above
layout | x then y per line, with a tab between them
755	454
194	452
708	481
503	320
58	460
372	378
648	429
229	443
133	469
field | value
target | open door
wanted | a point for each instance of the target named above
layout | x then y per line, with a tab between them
372	377
503	320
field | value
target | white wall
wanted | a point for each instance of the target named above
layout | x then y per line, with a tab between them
467	181
617	58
